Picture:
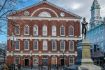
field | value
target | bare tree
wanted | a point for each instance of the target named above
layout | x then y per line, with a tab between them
6	6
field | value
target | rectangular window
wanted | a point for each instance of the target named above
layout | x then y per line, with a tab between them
17	30
54	45
17	44
71	45
62	31
71	60
45	46
44	30
26	30
62	45
35	45
35	30
26	44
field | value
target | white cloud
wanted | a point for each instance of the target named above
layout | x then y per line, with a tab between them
75	6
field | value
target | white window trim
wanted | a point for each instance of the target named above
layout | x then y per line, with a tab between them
52	45
37	45
52	31
28	30
69	45
60	30
43	45
19	45
19	30
69	60
69	30
64	45
37	30
43	30
28	45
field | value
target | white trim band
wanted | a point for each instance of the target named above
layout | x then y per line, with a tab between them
47	38
40	54
39	18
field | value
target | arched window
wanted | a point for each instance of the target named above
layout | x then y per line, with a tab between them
44	14
17	45
26	30
26	44
71	31
45	46
44	29
53	30
62	45
71	45
35	30
54	45
35	44
62	30
17	29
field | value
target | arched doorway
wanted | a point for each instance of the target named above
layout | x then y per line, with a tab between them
54	60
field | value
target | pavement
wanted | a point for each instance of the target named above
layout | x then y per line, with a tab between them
42	68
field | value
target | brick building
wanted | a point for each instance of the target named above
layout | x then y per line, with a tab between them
43	34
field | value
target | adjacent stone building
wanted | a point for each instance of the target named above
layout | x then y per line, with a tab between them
43	34
96	33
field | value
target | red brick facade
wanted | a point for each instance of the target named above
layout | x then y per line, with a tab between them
26	57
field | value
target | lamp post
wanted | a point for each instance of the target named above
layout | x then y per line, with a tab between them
31	60
63	60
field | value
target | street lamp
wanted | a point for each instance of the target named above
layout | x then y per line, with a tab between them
31	60
63	59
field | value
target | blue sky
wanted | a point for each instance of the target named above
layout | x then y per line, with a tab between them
79	7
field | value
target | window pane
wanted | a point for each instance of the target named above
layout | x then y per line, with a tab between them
26	29
44	30
62	45
17	29
71	31
26	44
54	46
45	47
53	30
35	30
71	46
62	29
71	60
35	45
17	44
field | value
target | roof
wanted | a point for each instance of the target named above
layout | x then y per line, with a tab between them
77	16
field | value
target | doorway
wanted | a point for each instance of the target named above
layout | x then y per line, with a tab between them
26	61
62	62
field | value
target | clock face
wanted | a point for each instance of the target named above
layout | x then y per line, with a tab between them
62	14
26	13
